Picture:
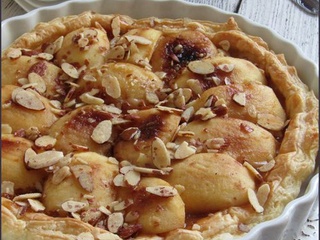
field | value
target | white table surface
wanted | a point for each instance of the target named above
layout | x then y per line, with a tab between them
284	17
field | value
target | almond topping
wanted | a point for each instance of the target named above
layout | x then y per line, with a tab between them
132	178
215	143
14	53
240	98
108	236
187	114
60	175
184	151
138	39
119	180
102	132
117	52
152	97
270	122
73	206
195	86
27	196
132	216
70	70
7	187
226	67
254	201
160	154
45	141
253	170
45	56
201	67
89	99
42	160
112	86
28	99
89	78
263	193
84	175
85	236
115	221
115	25
205	114
130	133
36	205
162	191
268	166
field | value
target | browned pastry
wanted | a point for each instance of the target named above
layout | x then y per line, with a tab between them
118	128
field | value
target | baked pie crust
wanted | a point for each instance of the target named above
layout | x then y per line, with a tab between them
114	127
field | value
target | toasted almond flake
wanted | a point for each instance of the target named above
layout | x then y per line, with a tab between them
195	86
111	109
55	46
205	113
36	205
28	99
185	133
70	70
263	194
161	75
83	42
254	201
73	206
184	151
115	221
201	67
85	236
104	210
23	81
240	98
162	191
102	132
42	160
129	133
215	143
126	168
26	196
163	171
243	228
168	109
117	52
66	160
115	25
14	53
89	78
122	205
108	236
55	103
152	97
160	154
84	175
119	181
187	114
225	45
180	188
61	174
253	170
138	39
226	67
180	101
90	33
196	227
132	216
6	128
45	56
7	187
132	178
268	166
270	121
89	99
112	86
45	141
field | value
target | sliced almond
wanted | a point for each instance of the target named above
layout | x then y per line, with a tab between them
73	206
152	97
119	181
14	53
36	205
254	201
122	205
253	170
60	175
263	194
132	178
102	132
132	216
117	53
85	236
28	99
42	160
215	143
160	154
84	175
27	196
226	67
162	191
7	187
89	78
108	236
205	113
115	221
195	86
83	42
89	99
138	39
240	98
201	67
184	151
115	25
129	133
112	86
45	141
187	114
168	109
270	121
55	46
268	166
70	70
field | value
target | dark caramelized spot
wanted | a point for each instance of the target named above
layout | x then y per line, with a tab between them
151	127
39	68
129	230
88	119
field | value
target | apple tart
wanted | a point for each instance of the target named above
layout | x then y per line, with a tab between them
118	128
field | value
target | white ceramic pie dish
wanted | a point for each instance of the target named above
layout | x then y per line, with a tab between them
296	212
